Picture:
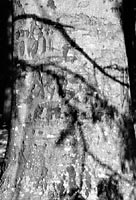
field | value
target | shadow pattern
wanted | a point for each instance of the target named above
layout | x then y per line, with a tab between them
61	29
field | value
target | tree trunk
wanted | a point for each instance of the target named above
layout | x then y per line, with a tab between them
66	118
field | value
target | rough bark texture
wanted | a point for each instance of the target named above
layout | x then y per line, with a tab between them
70	129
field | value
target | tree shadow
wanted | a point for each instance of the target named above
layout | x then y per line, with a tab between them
127	16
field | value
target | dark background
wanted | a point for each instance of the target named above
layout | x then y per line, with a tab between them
6	49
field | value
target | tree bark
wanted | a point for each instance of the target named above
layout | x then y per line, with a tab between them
66	116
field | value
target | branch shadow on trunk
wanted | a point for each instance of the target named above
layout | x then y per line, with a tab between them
75	112
61	28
